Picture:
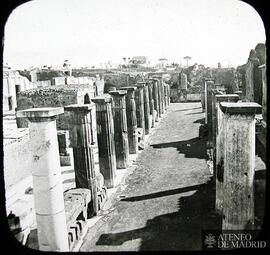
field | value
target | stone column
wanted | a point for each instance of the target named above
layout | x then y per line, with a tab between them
218	152
146	108
169	94
151	104
47	182
156	99
81	140
239	164
105	135
139	98
165	96
159	91
131	119
208	105
239	93
162	104
120	128
203	95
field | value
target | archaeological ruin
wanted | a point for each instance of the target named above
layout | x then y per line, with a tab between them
74	142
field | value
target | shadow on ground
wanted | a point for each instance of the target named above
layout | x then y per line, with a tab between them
187	109
181	230
192	148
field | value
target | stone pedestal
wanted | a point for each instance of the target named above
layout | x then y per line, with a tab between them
237	171
105	135
120	128
131	119
81	140
139	99
218	138
47	182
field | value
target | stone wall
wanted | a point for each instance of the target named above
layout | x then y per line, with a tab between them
17	165
250	75
53	96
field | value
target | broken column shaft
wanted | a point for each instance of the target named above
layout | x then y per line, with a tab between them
239	164
131	119
120	128
47	181
105	135
81	140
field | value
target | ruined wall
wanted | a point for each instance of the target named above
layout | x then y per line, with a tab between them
118	80
250	74
17	165
53	96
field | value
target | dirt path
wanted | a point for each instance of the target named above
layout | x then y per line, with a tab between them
166	202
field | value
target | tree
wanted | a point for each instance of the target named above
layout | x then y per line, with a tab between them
187	58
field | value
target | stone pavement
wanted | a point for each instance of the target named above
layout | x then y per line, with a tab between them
168	199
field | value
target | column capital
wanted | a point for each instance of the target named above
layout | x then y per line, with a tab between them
40	113
227	97
245	108
119	93
140	84
208	79
102	99
79	107
129	88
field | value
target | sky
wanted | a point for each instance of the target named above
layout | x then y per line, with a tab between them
90	32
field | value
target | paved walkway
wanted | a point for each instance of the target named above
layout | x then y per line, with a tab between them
168	199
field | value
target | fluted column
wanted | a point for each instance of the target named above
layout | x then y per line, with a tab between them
105	135
81	140
131	120
120	128
139	98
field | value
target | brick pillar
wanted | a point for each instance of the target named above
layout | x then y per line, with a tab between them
47	181
156	99
239	164
151	104
120	128
131	119
105	135
139	98
218	152
81	140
